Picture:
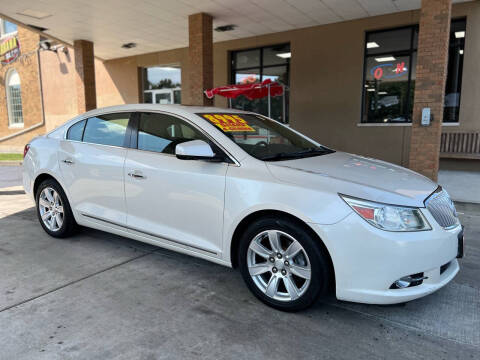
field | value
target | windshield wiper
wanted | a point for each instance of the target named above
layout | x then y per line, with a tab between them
298	154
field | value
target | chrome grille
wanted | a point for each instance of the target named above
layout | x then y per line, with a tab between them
442	209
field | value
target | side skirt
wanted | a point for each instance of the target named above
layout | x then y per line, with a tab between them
112	227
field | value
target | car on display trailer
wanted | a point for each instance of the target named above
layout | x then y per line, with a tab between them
237	188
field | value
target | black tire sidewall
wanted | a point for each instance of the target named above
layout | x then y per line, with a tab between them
68	219
319	282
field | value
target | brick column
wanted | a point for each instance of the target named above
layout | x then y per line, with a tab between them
432	59
85	75
200	56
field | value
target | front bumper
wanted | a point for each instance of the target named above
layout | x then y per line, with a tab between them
367	260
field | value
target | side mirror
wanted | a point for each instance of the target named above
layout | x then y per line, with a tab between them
194	150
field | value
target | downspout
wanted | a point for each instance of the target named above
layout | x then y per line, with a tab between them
42	123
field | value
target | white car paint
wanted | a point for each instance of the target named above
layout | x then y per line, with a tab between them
194	206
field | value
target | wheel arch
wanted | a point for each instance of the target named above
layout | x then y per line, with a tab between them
41	178
250	218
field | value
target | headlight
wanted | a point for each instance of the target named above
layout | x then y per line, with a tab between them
389	217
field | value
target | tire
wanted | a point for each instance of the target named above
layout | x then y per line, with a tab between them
273	283
57	205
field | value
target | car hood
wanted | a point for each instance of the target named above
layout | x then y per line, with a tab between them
356	176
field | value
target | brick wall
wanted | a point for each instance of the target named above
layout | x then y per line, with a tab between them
431	76
27	67
85	75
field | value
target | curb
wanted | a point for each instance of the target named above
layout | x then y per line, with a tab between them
10	163
467	206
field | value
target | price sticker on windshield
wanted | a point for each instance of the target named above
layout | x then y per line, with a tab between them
228	122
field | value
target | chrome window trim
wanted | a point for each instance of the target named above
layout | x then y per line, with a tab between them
231	157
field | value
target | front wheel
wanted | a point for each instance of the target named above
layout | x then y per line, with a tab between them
283	264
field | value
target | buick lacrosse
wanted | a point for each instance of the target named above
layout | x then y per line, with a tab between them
297	218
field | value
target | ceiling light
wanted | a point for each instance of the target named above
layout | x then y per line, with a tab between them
372	44
36	14
460	51
129	45
459	34
382	93
286	55
386	58
370	89
169	68
224	28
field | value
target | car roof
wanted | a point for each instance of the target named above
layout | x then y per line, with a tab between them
171	108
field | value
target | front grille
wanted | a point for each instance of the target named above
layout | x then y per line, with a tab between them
442	208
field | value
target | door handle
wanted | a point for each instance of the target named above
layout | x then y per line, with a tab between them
68	162
136	174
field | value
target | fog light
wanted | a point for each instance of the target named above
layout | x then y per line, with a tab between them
403	282
408	281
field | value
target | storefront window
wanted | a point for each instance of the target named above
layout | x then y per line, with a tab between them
256	65
389	74
162	85
455	71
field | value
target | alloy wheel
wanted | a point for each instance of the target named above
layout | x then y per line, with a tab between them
51	209
279	265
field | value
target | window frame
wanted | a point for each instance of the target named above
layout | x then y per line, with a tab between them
8	97
4	35
404	52
413	50
261	67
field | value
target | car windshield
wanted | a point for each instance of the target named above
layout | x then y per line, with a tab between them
263	138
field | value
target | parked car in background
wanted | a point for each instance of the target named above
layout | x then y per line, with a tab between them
242	190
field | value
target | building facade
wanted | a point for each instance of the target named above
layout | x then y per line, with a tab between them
21	110
349	85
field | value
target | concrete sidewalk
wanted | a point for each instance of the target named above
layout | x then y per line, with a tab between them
461	178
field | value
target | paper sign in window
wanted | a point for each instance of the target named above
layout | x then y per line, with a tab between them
229	123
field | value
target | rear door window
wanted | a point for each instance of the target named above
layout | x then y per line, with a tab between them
107	129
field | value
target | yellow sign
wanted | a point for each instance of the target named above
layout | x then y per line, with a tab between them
9	50
228	122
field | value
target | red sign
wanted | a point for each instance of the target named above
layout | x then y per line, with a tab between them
389	71
9	50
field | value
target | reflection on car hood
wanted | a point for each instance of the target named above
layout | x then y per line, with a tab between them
358	176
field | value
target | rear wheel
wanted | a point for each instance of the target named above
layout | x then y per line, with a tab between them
282	264
53	209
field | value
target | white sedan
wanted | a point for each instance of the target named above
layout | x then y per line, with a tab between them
233	187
